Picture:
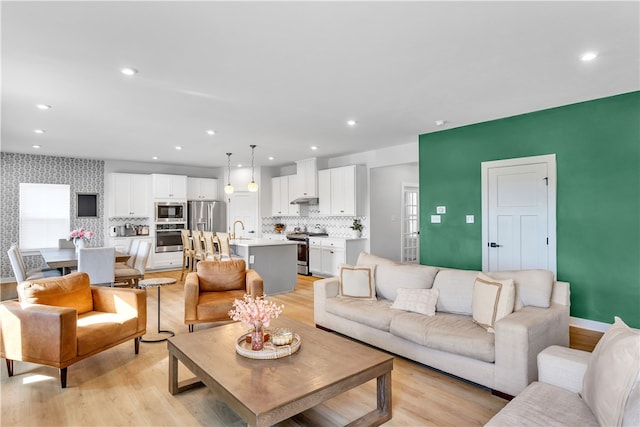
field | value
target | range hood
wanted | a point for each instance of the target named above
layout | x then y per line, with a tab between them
305	201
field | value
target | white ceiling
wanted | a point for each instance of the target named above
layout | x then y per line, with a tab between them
288	75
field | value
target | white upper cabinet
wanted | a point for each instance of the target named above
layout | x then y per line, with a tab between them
307	178
130	195
202	188
341	191
169	186
281	195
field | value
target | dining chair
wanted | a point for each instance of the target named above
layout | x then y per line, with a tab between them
131	276
187	251
65	244
225	247
132	251
20	270
99	264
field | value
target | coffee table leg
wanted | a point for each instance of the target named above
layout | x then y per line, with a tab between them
383	411
173	374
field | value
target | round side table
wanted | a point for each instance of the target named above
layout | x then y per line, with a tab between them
157	282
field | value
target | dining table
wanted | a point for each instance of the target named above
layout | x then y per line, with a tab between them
66	259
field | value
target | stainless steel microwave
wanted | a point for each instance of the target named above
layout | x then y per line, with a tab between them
171	212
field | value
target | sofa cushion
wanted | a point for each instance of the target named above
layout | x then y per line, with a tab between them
447	332
357	282
221	275
97	330
542	404
533	287
611	373
492	300
72	290
456	290
374	313
390	275
422	301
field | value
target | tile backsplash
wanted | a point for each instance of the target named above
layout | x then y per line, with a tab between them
335	226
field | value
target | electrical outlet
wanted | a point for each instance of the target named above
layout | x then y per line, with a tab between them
251	259
441	210
470	219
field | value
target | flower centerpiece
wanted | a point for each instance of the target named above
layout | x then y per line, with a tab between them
80	237
256	313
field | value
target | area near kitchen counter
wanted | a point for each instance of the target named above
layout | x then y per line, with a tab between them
274	260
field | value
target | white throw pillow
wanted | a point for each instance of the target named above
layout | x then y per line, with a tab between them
492	300
611	373
421	301
357	282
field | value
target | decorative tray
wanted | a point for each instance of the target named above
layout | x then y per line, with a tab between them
269	351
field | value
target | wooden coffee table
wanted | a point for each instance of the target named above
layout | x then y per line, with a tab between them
265	392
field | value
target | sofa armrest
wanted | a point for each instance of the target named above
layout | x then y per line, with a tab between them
38	333
323	289
132	302
255	284
520	336
191	296
563	367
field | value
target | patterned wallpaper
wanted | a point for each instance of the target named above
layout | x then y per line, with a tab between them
82	175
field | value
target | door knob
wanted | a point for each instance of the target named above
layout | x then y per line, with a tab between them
494	245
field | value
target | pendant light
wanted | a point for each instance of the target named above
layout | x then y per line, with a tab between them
228	189
253	185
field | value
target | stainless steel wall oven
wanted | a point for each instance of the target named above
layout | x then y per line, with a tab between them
168	237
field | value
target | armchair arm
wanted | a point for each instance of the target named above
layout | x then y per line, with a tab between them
563	367
132	302
323	289
520	337
191	295
43	334
255	284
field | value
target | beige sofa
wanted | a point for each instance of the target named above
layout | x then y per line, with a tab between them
577	388
450	341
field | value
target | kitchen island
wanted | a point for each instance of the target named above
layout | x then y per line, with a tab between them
275	261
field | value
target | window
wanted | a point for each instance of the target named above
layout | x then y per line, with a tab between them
44	215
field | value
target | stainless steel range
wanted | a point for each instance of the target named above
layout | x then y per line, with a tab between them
303	249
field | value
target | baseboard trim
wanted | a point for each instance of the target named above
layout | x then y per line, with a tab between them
588	324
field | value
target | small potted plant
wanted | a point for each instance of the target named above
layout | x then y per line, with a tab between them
356	228
279	227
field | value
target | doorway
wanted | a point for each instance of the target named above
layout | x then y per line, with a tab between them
519	214
243	206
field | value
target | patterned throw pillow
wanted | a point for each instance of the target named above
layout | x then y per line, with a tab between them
421	301
357	282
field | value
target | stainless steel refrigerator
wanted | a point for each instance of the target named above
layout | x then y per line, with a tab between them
206	216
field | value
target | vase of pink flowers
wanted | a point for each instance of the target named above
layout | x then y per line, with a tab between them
80	238
256	313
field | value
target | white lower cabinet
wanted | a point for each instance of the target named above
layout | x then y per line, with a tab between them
162	260
326	255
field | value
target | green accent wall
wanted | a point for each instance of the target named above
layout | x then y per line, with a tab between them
597	148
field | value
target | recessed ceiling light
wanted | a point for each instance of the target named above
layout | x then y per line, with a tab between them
36	146
313	147
589	56
155	158
211	132
239	165
178	147
271	157
40	131
129	71
352	122
440	122
43	106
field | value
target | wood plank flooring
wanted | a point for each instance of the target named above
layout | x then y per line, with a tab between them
118	388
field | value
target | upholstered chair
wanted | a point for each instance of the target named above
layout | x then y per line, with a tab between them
61	320
209	291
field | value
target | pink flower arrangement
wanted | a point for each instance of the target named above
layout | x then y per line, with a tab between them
79	234
255	312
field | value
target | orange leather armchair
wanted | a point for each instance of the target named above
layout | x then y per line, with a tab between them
62	320
209	291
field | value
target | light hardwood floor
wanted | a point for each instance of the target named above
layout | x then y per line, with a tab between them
118	388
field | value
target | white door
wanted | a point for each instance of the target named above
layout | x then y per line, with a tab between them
410	224
243	206
519	214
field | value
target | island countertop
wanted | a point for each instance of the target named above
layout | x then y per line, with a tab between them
249	243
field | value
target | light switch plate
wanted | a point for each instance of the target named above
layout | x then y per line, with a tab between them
435	219
441	210
470	219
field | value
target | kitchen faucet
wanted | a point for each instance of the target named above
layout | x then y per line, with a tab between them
233	235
